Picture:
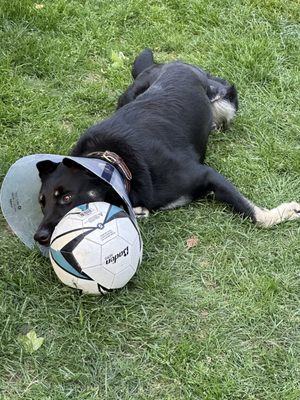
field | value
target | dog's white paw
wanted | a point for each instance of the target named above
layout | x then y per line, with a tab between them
284	212
141	212
293	210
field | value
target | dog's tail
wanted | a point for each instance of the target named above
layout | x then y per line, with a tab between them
143	60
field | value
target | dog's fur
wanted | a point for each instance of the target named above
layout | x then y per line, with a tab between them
218	90
160	130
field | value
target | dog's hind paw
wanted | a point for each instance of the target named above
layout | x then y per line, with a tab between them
141	212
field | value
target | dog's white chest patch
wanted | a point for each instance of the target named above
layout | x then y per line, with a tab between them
181	201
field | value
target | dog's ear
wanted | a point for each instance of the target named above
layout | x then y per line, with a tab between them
142	61
46	167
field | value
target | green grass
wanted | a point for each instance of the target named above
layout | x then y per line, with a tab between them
219	321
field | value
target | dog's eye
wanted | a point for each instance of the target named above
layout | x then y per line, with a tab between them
66	198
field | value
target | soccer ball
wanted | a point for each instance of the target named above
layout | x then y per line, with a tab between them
96	248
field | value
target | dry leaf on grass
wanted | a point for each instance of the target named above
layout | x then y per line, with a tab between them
192	242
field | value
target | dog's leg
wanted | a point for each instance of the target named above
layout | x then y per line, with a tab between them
142	61
210	180
141	212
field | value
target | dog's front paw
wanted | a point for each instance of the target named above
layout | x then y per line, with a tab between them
289	211
284	212
141	212
295	209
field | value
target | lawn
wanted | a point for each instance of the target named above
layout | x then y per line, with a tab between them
218	321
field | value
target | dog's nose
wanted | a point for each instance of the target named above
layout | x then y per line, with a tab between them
43	236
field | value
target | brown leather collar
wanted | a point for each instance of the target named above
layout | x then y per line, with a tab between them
116	160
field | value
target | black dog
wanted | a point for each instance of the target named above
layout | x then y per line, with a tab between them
160	131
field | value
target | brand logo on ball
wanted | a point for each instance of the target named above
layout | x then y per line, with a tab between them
113	258
84	213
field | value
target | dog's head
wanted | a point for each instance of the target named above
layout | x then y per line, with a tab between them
66	185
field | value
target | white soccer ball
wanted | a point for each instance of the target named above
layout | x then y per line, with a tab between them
96	248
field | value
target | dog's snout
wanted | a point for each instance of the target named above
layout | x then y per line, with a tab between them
43	236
